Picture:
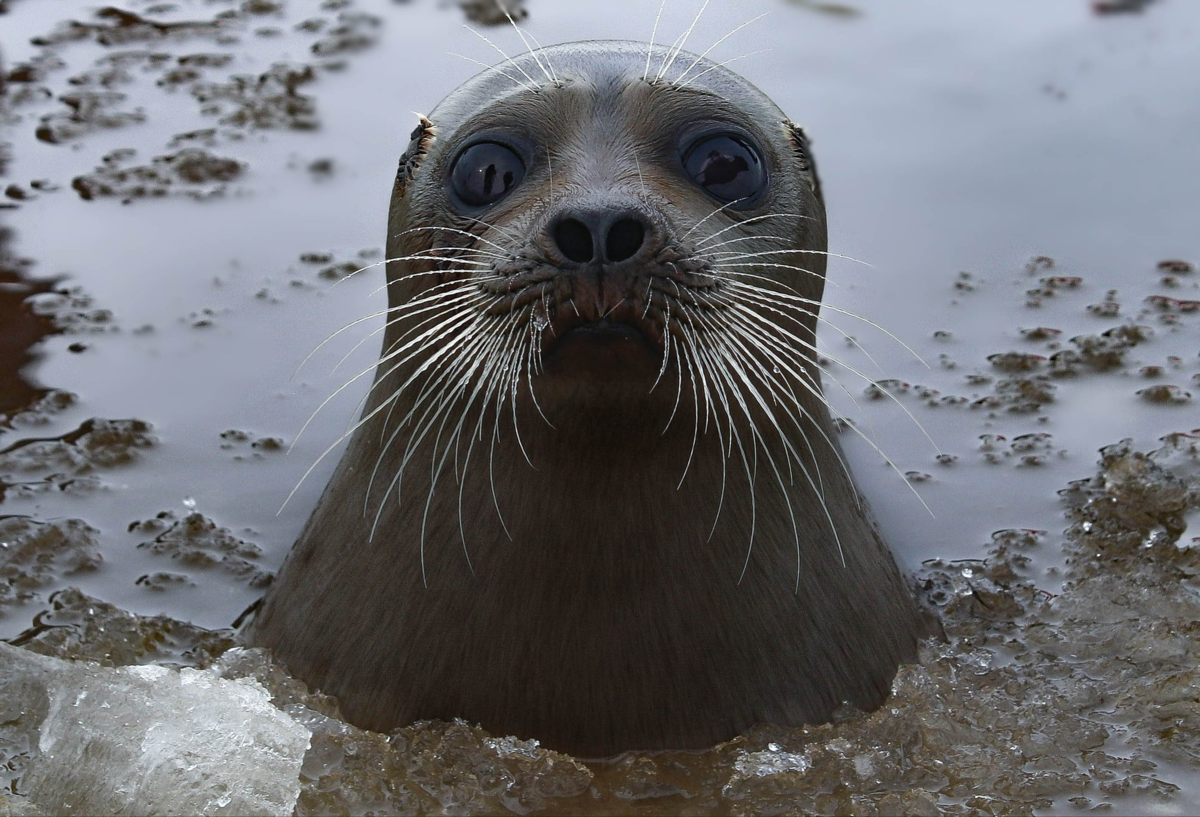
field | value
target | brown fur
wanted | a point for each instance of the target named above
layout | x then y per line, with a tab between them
605	612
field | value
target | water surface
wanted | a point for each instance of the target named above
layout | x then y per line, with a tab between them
956	143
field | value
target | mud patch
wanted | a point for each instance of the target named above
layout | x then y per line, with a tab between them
493	12
141	59
245	446
87	111
70	462
76	625
116	26
191	172
197	542
266	101
35	555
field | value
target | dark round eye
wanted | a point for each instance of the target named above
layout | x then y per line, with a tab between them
727	167
485	173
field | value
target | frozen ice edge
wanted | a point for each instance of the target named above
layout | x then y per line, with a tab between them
148	739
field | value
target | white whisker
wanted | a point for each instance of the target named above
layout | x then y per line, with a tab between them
682	42
532	51
750	220
699	223
653	33
722	64
809	301
438	228
733	267
495	68
698	59
733	255
533	85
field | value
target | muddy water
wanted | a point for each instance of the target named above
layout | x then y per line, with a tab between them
1013	176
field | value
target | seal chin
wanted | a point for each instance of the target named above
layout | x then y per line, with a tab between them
603	350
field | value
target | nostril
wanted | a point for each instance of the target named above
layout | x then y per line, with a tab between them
625	238
575	240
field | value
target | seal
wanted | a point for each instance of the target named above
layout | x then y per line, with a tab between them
595	496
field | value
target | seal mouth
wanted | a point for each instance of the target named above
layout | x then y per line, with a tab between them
605	349
604	331
601	334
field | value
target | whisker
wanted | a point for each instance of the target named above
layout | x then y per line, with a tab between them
558	83
423	255
750	220
362	374
740	256
407	315
476	433
495	68
436	472
437	227
498	413
698	59
697	225
532	52
789	338
510	236
728	356
684	360
720	379
667	65
693	355
722	64
807	383
362	421
473	346
766	346
426	425
533	361
533	85
809	301
337	332
733	267
715	248
653	33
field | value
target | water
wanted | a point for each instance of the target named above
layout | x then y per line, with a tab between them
950	139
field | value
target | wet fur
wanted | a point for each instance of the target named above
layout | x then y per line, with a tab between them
594	552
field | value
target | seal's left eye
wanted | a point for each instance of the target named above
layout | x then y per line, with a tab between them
485	173
727	167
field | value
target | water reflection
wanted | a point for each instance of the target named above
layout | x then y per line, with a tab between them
1120	6
20	328
832	9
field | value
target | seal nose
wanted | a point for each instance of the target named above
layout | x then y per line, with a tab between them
625	237
614	235
574	240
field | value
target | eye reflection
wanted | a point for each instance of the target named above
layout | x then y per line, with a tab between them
727	167
485	173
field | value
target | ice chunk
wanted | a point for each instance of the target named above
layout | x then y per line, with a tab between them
772	761
147	739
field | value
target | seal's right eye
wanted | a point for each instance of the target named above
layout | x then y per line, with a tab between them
485	173
727	167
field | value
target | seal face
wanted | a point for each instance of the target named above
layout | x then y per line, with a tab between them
595	496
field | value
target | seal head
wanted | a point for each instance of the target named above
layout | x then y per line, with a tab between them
595	496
